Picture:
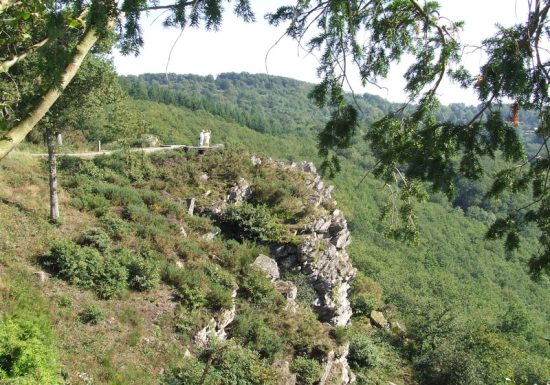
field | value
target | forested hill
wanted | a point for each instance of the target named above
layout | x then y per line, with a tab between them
271	104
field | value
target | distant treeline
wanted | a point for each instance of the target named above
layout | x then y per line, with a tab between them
270	104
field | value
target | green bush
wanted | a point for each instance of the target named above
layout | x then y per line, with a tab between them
190	373
75	264
116	227
365	295
256	287
307	370
188	284
219	297
85	267
253	333
235	365
26	354
363	353
92	315
96	238
252	222
143	268
111	280
97	204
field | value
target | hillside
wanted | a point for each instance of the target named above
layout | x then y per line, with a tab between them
471	312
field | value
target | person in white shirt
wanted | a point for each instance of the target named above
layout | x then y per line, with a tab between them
207	138
201	138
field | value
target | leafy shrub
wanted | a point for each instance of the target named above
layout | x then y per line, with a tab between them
77	265
189	322
219	298
111	280
252	222
86	267
254	334
96	238
97	204
26	354
308	371
309	338
365	295
363	353
188	284
116	227
136	213
143	274
256	287
91	315
190	373
235	365
143	268
63	300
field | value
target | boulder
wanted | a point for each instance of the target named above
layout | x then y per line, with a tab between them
256	161
286	288
284	375
42	276
267	265
398	329
378	320
240	192
150	140
190	206
216	326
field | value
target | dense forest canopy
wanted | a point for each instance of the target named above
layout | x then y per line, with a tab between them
411	144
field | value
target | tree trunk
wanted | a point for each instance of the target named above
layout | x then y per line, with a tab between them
52	167
16	135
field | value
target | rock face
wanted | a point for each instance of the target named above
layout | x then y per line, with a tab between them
240	192
337	370
216	326
267	265
320	254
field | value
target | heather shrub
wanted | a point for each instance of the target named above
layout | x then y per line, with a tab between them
308	371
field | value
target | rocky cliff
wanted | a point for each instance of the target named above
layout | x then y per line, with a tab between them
319	253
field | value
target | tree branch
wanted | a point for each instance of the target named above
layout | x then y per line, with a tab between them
6	65
16	134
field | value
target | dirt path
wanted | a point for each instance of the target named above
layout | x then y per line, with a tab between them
146	150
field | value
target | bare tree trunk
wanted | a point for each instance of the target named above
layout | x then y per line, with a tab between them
16	135
52	167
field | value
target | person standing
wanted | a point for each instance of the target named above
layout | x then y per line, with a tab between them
201	138
207	138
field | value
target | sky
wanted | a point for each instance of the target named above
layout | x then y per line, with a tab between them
241	47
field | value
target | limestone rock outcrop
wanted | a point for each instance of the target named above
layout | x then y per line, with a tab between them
216	326
321	255
240	192
269	266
